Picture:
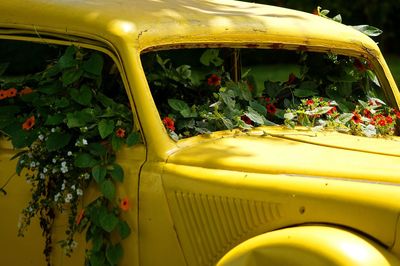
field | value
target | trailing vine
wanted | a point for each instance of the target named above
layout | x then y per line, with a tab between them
67	131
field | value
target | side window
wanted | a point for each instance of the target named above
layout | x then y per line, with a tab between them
200	91
65	111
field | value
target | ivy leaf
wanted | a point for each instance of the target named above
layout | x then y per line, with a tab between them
124	229
53	120
107	188
211	56
94	65
116	142
114	253
108	222
67	60
82	96
70	76
97	149
133	139
99	173
180	106
57	140
254	116
97	259
97	241
84	160
117	173
261	109
80	118
106	127
368	30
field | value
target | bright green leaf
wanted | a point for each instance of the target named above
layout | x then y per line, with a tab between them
254	116
53	120
368	30
70	76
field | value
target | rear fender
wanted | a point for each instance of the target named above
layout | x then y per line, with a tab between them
309	245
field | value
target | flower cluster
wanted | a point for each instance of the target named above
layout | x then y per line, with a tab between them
68	136
369	118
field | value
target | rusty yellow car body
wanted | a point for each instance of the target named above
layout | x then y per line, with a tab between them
270	196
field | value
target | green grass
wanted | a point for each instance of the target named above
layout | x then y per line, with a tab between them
394	64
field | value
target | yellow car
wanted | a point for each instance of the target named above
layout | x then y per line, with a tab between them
255	194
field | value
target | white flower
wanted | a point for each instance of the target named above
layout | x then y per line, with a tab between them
63	186
79	192
64	168
57	196
289	116
369	130
86	176
33	165
44	170
53	130
41	176
68	198
74	244
84	142
41	137
69	153
54	170
73	187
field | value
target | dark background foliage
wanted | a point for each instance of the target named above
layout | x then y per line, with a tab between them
383	14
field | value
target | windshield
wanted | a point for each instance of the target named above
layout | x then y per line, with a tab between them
198	91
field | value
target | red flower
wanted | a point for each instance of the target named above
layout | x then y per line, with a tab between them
309	102
268	99
359	65
382	122
80	216
356	118
292	79
120	133
26	90
389	119
12	92
214	80
332	110
397	113
271	108
169	123
246	119
367	113
3	94
124	204
29	123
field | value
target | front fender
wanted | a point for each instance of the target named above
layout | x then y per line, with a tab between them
309	245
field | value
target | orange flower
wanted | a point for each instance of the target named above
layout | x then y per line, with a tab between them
3	94
124	205
120	133
26	90
12	92
80	216
29	123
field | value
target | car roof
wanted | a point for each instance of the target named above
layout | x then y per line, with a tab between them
150	23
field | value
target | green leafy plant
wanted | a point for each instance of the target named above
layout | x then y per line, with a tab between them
68	131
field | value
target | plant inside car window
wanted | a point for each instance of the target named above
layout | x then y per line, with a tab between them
68	130
317	90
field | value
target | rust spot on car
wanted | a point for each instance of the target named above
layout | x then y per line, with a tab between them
302	48
252	45
277	46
